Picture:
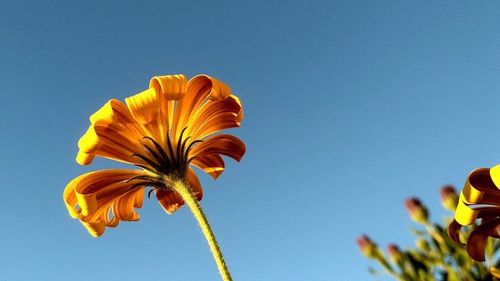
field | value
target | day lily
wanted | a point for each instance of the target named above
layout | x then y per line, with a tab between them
163	131
479	199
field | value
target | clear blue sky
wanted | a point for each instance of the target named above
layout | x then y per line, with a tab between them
350	107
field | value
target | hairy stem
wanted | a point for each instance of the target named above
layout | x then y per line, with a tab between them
188	196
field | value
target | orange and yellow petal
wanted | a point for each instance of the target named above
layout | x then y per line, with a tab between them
212	164
476	243
222	144
215	116
476	184
153	108
479	199
113	134
218	90
102	198
199	89
171	87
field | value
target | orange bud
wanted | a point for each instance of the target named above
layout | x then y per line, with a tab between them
367	246
449	197
418	212
394	253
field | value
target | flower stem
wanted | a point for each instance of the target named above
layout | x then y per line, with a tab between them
190	199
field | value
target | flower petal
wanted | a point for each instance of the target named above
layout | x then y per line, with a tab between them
113	134
211	164
495	175
478	182
214	116
94	196
146	109
454	231
218	89
476	243
199	88
172	87
153	108
224	144
464	215
171	201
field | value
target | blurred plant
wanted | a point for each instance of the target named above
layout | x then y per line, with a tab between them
435	256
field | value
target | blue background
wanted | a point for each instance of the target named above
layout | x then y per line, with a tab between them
350	107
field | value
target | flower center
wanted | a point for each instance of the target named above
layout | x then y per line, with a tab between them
164	165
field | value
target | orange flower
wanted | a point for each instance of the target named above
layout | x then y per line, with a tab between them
164	131
479	199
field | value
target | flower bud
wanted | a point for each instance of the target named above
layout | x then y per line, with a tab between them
449	197
418	212
423	245
394	253
367	246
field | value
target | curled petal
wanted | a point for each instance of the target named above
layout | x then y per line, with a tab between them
228	112
94	196
476	243
454	231
477	183
215	124
150	110
114	111
110	125
172	87
480	180
199	88
464	214
171	201
495	175
89	142
145	106
118	142
218	89
211	164
239	115
224	144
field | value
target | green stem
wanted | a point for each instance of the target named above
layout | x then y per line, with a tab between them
188	196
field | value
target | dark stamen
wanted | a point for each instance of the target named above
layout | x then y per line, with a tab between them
149	193
179	141
161	150
153	153
170	149
147	160
147	168
191	159
186	152
143	177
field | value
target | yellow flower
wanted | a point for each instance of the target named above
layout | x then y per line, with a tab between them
479	199
164	131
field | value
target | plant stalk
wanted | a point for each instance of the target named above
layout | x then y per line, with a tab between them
191	201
